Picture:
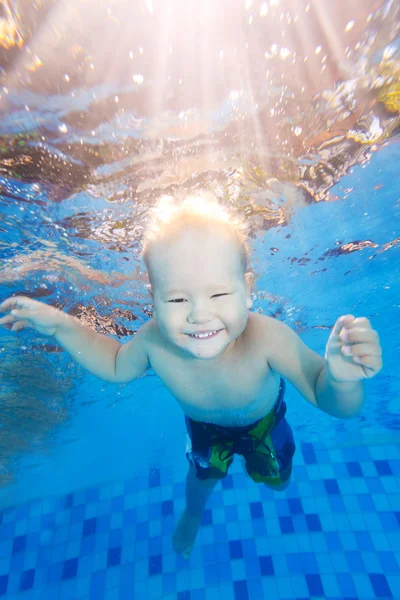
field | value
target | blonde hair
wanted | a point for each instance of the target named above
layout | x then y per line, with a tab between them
171	215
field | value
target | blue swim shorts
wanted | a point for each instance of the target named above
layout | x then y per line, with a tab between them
266	445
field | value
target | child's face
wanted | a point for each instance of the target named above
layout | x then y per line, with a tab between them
199	288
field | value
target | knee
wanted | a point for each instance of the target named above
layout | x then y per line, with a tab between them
281	487
286	477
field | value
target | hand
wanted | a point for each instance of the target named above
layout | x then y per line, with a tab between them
353	351
26	312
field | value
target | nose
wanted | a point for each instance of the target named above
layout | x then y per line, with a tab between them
200	313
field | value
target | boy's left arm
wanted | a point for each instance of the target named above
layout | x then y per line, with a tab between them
335	385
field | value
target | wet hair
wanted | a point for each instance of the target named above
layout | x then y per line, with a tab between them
171	216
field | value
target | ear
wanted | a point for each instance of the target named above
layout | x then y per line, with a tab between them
152	299
249	277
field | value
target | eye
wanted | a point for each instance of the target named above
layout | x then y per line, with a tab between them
219	295
177	300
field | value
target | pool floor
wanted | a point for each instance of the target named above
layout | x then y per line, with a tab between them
334	533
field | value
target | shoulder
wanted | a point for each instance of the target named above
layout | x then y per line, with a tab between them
265	326
278	340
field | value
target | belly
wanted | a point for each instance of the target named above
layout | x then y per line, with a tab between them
232	412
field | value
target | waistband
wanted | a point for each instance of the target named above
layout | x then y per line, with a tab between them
279	409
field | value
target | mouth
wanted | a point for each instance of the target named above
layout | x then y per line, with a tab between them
204	335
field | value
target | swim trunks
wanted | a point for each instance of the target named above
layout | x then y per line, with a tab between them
266	445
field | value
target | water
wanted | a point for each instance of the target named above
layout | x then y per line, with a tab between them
287	110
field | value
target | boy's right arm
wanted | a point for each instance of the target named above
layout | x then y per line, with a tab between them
100	355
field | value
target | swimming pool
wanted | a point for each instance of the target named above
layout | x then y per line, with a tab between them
93	474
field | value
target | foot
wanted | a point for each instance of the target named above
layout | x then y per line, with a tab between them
185	533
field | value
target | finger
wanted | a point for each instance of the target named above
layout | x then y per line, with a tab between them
359	322
7	319
340	323
18	326
371	364
16	302
359	335
361	350
21	314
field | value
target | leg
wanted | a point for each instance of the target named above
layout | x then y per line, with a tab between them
285	478
197	494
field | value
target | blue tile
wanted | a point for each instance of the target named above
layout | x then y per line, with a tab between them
210	574
286	524
364	541
308	563
235	549
382	467
155	565
167	508
27	579
17	562
54	573
77	514
92	495
295	506
155	546
354	469
184	596
256	510
331	486
333	541
380	585
224	572
208	551
266	566
374	485
314	584
308	453
294	563
114	556
88	545
388	563
227	482
68	501
259	528
365	502
346	585
130	516
207	517
89	527
7	530
97	585
3	584
240	590
115	538
142	531
313	523
249	548
388	520
231	513
19	544
355	562
48	521
70	568
103	524
117	504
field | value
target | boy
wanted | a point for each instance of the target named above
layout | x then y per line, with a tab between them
222	363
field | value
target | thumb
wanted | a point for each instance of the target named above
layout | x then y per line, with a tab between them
340	323
21	314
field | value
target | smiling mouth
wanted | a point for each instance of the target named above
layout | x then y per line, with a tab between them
204	335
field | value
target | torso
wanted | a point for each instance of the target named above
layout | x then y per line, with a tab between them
234	391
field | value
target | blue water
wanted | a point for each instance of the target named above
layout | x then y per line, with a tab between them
286	109
93	516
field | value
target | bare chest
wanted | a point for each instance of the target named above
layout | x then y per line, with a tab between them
236	393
